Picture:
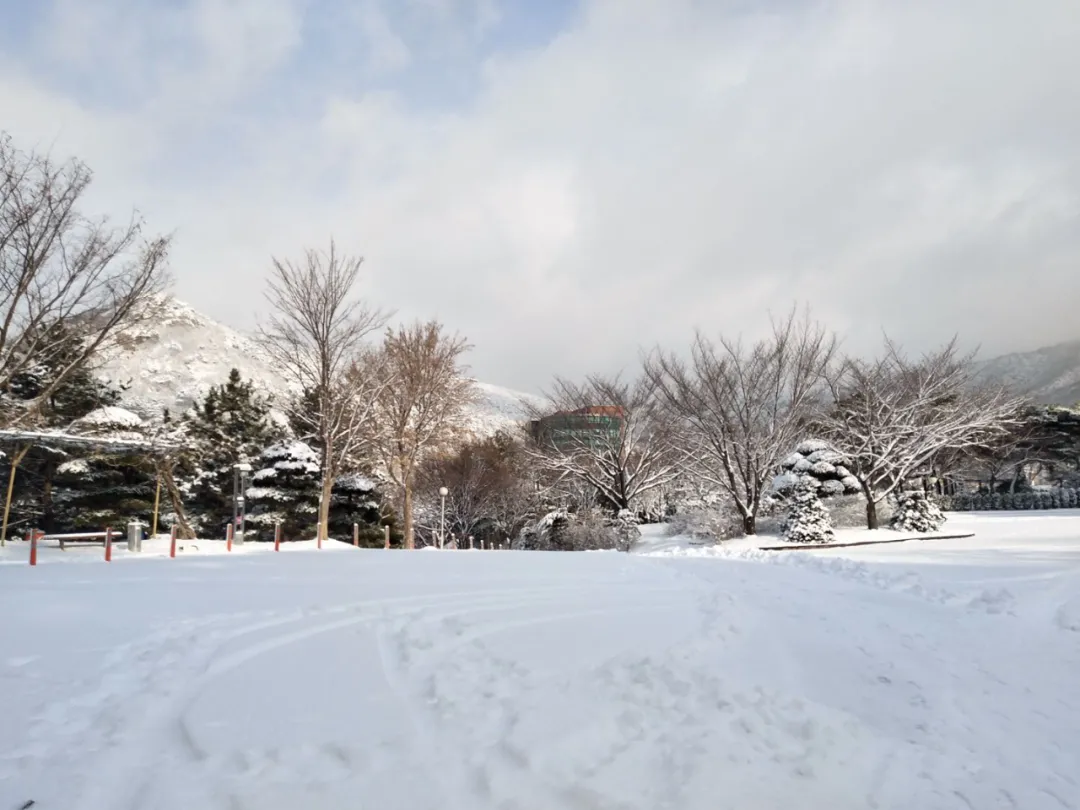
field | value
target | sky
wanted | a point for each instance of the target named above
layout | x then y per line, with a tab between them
566	182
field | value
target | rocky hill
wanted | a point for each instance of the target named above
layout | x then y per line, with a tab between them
1050	374
172	359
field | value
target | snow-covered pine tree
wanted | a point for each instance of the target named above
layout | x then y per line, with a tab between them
232	424
285	490
917	512
78	395
626	529
111	490
356	499
807	520
819	463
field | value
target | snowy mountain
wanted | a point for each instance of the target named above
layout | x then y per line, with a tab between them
172	359
1050	374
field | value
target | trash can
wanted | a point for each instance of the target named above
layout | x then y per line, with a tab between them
134	530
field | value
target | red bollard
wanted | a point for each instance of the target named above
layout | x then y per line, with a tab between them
277	537
33	547
172	542
108	544
228	538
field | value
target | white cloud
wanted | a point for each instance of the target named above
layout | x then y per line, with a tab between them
664	164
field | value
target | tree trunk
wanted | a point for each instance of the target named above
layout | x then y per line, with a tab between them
871	514
749	523
15	460
324	505
410	539
184	530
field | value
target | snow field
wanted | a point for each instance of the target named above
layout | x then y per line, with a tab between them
372	679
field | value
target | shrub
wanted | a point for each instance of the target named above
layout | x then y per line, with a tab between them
706	524
807	521
917	512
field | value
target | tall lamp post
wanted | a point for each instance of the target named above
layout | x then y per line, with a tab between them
241	472
443	492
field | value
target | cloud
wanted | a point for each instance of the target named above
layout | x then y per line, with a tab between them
649	168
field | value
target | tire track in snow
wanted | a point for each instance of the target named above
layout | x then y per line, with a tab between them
146	734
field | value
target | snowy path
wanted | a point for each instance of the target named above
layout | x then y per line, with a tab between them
518	681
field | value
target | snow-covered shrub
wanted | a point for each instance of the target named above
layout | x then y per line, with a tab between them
1007	501
626	529
807	519
820	463
1069	498
706	524
916	512
592	530
995	501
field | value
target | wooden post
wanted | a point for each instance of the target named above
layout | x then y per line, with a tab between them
356	535
172	541
470	542
16	459
277	537
33	546
386	536
157	503
108	544
228	537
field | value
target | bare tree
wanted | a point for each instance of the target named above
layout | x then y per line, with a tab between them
423	409
68	282
317	337
490	492
742	409
891	416
608	435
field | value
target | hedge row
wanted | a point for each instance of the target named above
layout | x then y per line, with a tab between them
1008	501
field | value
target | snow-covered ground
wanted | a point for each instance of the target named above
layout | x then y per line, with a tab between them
870	677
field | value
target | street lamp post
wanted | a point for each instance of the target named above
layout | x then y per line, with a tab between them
240	482
443	492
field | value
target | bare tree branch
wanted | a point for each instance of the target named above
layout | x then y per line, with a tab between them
66	280
424	408
891	416
608	435
741	409
317	335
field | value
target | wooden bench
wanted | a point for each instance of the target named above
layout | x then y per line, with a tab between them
78	537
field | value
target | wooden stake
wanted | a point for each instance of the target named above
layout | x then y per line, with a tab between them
33	546
108	545
157	503
172	541
356	535
386	536
277	537
228	537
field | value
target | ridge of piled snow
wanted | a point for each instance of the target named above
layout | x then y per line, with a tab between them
110	416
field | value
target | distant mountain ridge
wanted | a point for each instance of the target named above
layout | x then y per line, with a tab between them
173	358
1050	375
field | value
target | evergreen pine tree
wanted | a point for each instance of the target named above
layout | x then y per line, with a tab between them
356	500
285	490
917	512
80	394
807	520
96	492
232	424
